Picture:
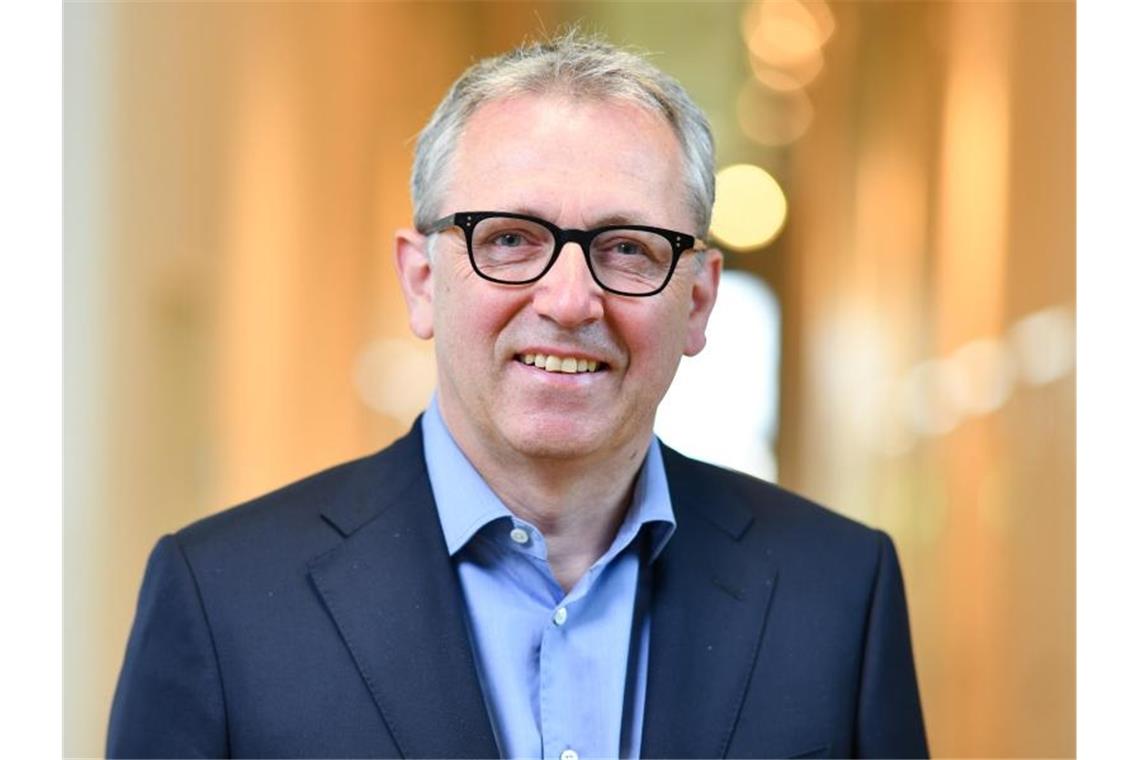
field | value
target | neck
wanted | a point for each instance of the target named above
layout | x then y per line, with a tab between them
577	504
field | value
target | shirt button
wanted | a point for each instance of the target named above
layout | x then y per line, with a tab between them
560	618
519	536
568	754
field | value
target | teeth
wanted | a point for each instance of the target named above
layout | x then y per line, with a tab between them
568	365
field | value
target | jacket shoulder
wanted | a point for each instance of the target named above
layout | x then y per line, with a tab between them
316	509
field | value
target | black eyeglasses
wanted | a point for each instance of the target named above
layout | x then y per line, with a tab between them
517	249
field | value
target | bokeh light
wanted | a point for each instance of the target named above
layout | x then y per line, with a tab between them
786	32
987	373
1045	345
772	118
936	395
787	78
930	393
750	207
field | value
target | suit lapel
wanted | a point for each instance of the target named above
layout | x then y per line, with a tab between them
710	599
393	595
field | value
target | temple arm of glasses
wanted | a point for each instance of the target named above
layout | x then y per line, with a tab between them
439	225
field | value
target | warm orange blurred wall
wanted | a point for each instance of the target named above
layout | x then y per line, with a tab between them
233	176
933	211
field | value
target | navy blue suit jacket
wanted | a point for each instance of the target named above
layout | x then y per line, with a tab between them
325	619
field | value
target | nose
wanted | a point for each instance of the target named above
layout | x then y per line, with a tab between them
568	294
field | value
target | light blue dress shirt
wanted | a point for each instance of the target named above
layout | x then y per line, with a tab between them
553	666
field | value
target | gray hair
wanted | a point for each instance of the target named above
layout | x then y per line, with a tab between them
577	66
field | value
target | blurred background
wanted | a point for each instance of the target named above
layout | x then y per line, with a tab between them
895	336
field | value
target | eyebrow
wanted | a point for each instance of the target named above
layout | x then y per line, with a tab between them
618	218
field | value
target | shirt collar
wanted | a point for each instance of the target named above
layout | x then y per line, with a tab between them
466	503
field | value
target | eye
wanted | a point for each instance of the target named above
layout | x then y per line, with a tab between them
629	248
508	239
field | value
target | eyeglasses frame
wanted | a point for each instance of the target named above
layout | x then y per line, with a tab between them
466	221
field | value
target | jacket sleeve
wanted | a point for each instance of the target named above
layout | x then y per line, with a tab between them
890	714
169	700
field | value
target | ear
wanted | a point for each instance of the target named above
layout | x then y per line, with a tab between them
414	268
702	296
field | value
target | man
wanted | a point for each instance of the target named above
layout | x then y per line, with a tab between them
529	572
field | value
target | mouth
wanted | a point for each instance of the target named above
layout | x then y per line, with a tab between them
567	365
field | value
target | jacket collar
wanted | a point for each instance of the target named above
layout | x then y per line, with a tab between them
407	634
711	590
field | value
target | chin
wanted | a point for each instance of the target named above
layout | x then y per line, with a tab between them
557	439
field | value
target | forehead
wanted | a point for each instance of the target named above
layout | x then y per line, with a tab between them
571	160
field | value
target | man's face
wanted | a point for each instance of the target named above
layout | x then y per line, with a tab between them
579	164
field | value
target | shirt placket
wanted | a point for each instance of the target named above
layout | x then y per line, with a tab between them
556	737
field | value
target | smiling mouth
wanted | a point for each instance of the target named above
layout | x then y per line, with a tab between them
568	365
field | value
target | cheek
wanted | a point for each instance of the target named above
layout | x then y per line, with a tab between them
655	339
470	321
